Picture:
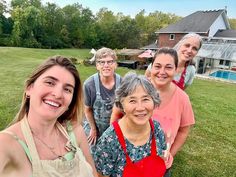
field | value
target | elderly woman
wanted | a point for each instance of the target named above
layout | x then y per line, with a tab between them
133	146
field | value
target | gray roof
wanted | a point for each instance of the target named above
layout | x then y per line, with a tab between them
198	22
226	33
152	46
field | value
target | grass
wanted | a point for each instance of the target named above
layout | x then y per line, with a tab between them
211	147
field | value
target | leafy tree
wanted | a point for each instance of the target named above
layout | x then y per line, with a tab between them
81	24
125	34
65	36
105	21
52	24
25	22
148	25
3	6
25	3
232	23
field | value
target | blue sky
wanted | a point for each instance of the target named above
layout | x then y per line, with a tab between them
132	7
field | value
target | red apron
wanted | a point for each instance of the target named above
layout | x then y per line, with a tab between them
180	83
150	166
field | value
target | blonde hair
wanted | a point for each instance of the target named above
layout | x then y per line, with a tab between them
104	52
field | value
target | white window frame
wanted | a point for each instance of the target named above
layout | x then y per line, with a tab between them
172	37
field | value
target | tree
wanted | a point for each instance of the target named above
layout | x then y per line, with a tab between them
232	23
105	21
125	34
52	24
25	3
148	25
26	22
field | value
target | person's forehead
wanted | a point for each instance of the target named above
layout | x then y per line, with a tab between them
106	58
192	41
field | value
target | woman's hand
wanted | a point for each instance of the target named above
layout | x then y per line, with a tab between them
92	138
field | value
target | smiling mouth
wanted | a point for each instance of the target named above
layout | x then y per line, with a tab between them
51	103
162	78
141	115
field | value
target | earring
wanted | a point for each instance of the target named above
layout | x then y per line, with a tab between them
27	96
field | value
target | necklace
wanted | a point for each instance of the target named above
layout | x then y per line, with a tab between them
51	148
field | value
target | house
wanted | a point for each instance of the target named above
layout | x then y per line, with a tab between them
204	23
219	46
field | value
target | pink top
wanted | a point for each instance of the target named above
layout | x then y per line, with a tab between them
177	113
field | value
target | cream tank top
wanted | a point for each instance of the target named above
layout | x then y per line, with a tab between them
77	167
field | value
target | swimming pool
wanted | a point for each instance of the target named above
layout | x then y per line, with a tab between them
224	75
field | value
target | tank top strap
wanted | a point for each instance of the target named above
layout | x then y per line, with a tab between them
62	130
71	133
71	144
21	142
121	140
30	143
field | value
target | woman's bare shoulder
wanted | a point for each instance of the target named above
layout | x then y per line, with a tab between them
9	141
79	132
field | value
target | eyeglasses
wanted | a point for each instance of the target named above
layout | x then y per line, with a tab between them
102	63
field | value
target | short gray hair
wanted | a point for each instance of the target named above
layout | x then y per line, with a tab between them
104	52
128	85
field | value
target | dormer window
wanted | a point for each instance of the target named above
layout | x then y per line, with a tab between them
172	37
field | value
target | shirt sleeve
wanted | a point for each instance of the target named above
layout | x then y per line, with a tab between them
190	73
187	117
87	95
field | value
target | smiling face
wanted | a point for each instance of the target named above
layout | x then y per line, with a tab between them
106	66
163	70
188	49
138	107
51	93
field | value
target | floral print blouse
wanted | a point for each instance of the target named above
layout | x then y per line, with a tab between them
110	158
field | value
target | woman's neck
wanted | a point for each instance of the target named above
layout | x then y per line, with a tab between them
166	93
164	88
108	82
40	126
137	135
181	64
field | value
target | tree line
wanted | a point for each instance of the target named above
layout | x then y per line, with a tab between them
32	24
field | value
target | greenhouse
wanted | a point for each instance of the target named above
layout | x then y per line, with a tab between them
216	56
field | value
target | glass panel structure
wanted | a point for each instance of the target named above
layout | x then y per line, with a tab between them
219	51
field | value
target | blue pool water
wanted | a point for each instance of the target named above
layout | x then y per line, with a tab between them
225	75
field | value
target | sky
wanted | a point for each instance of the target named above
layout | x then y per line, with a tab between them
132	7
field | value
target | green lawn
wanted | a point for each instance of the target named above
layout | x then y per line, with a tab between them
211	146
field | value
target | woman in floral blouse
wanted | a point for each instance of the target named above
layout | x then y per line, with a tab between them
135	143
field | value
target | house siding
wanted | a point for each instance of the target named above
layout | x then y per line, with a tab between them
218	24
164	40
